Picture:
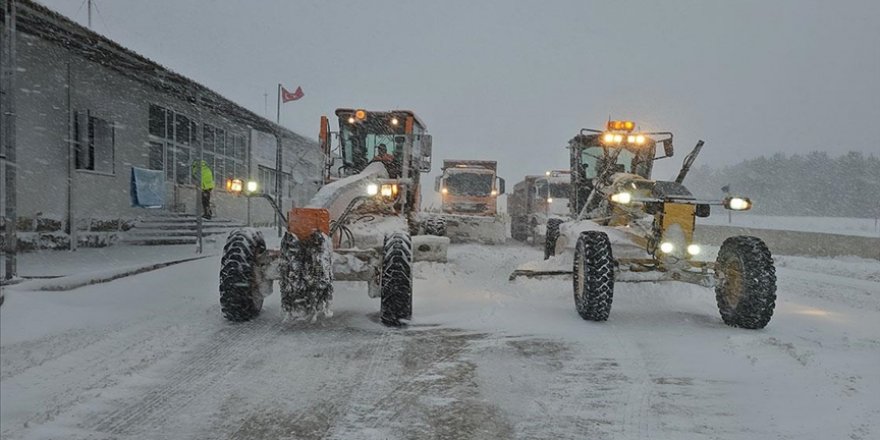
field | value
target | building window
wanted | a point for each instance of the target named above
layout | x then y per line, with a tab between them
266	180
94	140
220	150
178	137
208	138
184	165
157	121
156	156
181	129
169	162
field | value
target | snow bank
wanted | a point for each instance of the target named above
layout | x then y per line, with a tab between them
863	227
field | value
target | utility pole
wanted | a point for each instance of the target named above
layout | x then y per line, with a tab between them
200	210
90	14
278	161
9	146
71	163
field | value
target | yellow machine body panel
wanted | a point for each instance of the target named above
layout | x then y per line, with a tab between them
683	215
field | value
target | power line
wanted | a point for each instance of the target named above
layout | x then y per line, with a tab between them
100	16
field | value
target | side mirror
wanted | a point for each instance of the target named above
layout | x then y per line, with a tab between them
324	135
437	181
500	186
667	147
425	157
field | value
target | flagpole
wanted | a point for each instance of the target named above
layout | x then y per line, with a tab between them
278	174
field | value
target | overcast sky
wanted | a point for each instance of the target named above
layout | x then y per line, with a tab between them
514	80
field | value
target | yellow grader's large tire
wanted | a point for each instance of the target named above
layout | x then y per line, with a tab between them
396	281
552	236
745	282
306	275
241	298
593	276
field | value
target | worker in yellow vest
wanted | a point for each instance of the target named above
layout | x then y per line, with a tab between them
207	185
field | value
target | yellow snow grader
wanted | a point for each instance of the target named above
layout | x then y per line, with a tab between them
356	228
625	227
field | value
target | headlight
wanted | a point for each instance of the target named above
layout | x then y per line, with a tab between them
693	249
251	186
387	190
549	199
667	247
234	185
738	203
618	138
608	138
444	191
624	198
631	139
372	189
494	192
640	139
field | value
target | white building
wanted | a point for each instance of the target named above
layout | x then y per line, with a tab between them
88	110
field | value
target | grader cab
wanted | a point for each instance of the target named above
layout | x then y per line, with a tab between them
356	228
624	226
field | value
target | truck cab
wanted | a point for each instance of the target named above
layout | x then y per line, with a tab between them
469	187
535	200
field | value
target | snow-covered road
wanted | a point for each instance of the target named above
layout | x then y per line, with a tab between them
149	357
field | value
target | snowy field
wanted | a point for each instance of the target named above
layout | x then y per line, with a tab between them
862	227
149	357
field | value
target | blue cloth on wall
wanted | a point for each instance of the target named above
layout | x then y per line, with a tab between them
147	188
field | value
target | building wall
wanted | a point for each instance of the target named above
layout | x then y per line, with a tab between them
45	70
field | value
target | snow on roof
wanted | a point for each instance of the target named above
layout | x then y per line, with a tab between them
35	19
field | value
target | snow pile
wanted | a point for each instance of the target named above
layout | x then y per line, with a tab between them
430	248
863	227
477	228
369	232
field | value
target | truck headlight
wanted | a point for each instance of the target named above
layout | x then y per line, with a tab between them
494	192
667	247
738	203
251	186
624	198
694	249
549	199
372	189
444	191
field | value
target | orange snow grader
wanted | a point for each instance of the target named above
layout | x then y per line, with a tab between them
356	228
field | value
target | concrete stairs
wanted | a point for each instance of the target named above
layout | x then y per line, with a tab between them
171	228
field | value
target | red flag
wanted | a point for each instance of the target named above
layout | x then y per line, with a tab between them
286	96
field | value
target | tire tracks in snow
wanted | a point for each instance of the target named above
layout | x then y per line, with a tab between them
318	419
78	372
197	372
372	411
